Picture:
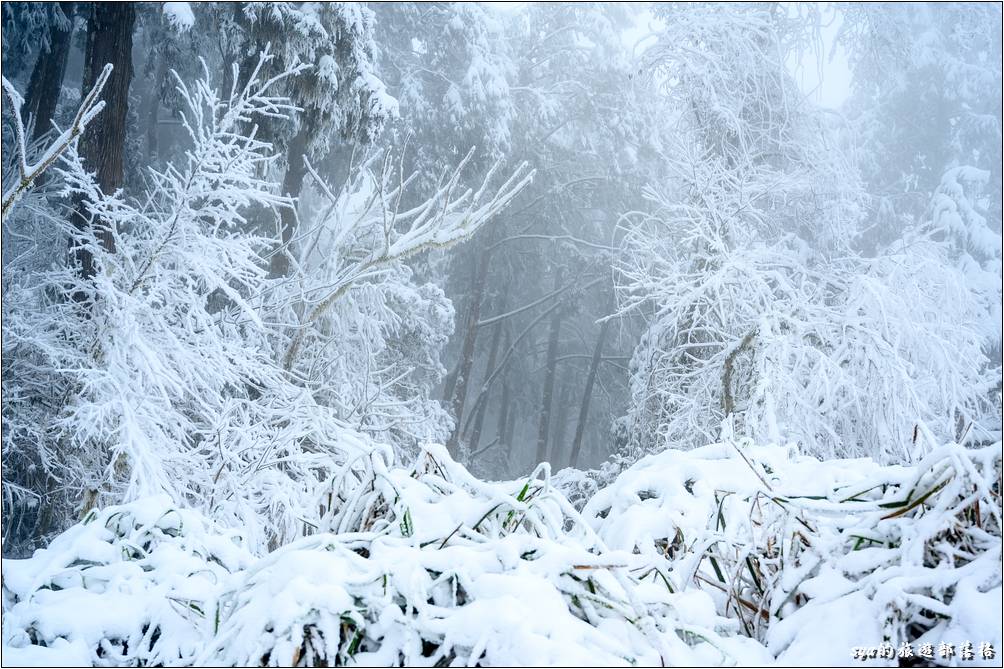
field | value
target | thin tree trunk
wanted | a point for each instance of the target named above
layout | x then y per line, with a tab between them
510	430
544	422
153	111
561	419
458	396
587	394
102	146
46	80
292	185
450	383
503	415
479	416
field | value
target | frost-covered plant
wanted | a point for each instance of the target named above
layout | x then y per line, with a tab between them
20	177
113	384
429	565
422	566
30	229
788	544
366	338
759	306
727	554
961	210
26	26
850	356
912	133
130	585
174	368
340	94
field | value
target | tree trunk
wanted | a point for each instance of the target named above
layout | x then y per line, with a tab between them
292	185
503	416
510	430
479	417
552	356
561	420
458	393
102	146
153	111
587	394
46	80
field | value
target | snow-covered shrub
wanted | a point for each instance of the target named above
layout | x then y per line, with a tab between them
99	384
786	544
731	553
130	585
133	377
422	566
429	565
180	367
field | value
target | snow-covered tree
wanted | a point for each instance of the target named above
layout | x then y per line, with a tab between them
377	356
339	97
448	66
924	96
109	393
144	383
761	311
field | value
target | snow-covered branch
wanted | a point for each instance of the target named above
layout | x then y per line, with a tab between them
445	218
28	172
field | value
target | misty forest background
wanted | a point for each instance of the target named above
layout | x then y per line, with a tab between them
274	239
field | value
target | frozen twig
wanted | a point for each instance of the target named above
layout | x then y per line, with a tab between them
27	172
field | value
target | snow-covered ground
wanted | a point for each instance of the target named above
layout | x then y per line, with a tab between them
728	554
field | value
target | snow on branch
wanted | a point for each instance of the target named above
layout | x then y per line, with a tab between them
29	172
152	335
446	217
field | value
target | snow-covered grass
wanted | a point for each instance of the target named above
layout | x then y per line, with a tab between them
816	557
129	585
729	554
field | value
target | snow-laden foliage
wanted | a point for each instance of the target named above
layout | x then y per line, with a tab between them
127	586
340	93
441	568
448	65
179	15
760	305
727	554
960	210
236	326
170	370
428	565
25	26
114	381
850	356
925	94
787	544
375	358
23	174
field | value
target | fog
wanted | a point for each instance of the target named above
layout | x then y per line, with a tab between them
261	259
